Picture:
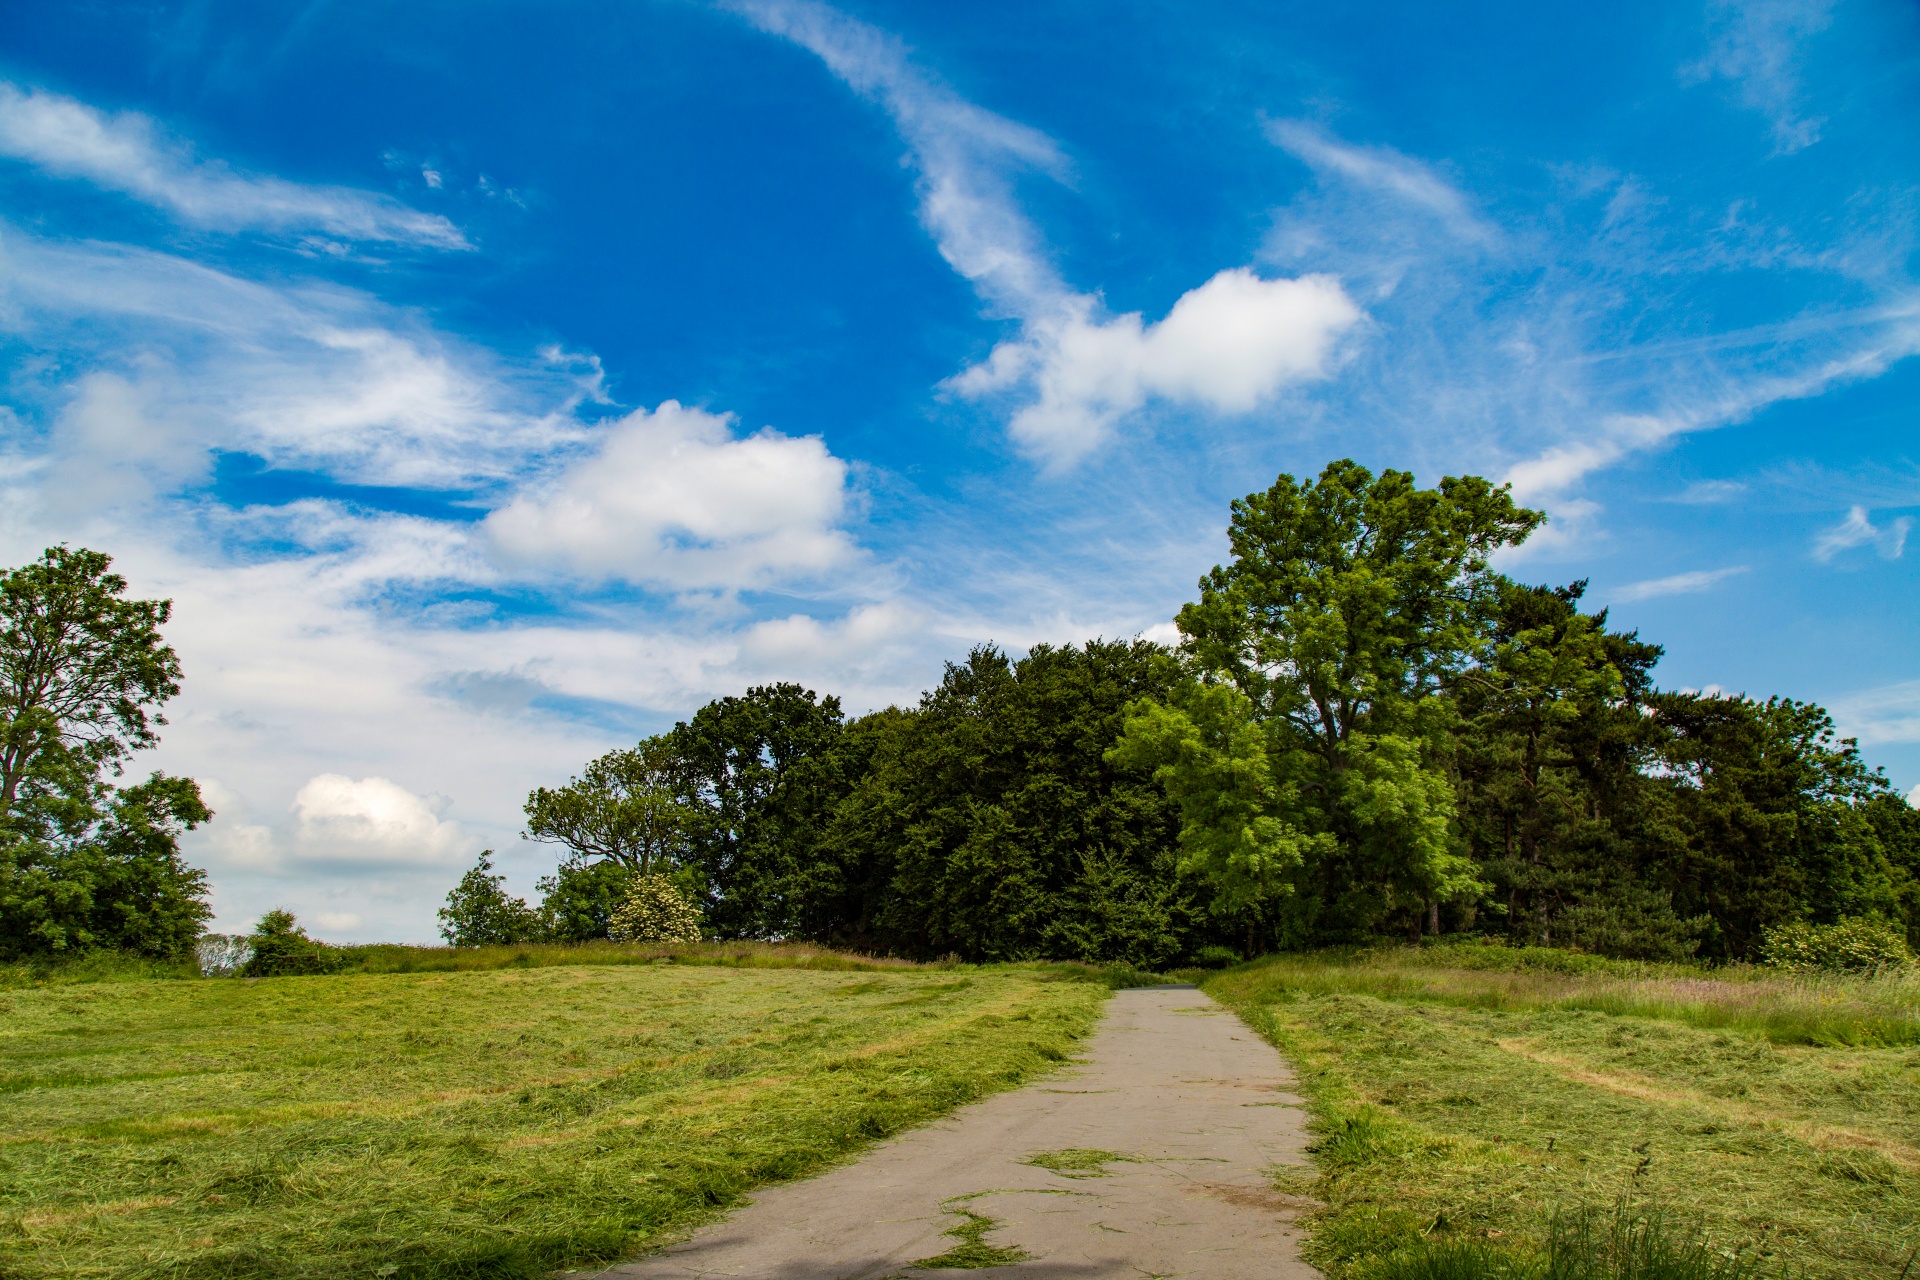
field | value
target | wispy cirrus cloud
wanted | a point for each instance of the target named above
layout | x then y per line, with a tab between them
1859	530
129	153
1074	370
1678	584
1758	44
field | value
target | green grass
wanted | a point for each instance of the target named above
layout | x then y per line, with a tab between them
973	1252
1461	1099
1077	1162
473	1122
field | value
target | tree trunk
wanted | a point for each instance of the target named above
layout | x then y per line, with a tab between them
1433	917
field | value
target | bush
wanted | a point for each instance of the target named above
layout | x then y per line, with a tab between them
281	948
578	901
1859	945
480	914
654	911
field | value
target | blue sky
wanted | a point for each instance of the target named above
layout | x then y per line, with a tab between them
490	383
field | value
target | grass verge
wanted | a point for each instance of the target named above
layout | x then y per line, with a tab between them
1459	1108
499	1122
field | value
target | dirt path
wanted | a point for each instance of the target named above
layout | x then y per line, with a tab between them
1152	1156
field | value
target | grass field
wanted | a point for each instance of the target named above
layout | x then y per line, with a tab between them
497	1121
1471	1093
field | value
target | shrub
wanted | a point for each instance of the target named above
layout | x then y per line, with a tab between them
1859	945
480	914
578	900
282	948
654	911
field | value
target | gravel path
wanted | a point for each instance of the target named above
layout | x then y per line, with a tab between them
1192	1107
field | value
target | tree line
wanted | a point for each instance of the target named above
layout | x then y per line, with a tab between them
1365	731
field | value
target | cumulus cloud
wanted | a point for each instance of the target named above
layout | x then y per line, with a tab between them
1676	585
1758	44
1074	370
1858	530
675	497
372	821
128	153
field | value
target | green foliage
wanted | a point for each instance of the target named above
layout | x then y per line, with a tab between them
480	913
1349	603
989	823
577	900
625	807
653	910
761	772
1859	945
281	948
84	864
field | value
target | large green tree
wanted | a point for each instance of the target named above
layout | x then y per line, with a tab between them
85	863
1349	603
626	807
759	774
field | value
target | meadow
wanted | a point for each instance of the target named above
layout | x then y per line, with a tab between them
1465	1097
507	1114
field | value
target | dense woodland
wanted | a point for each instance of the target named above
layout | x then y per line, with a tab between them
1365	732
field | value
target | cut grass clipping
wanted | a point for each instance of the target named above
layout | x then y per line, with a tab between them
973	1252
1077	1162
500	1123
1472	1107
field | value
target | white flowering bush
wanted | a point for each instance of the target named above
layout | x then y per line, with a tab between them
1859	945
654	911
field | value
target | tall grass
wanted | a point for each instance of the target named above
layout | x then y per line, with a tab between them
1784	1008
1630	1242
386	957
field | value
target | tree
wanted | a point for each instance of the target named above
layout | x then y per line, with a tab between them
82	675
757	774
281	948
1349	603
83	863
479	913
1550	752
625	807
578	900
989	822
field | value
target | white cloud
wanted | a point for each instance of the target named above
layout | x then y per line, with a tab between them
1676	585
1705	493
307	376
372	822
1074	370
1857	530
128	153
1888	714
1227	345
674	497
1757	44
1384	170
